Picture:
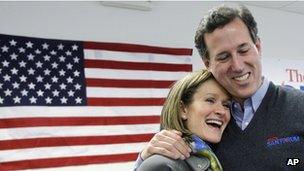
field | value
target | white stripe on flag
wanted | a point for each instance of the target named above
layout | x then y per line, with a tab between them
133	75
70	131
127	92
38	111
136	57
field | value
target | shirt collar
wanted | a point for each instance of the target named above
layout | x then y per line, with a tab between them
258	96
256	99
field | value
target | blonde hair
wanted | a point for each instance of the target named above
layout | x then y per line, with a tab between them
181	93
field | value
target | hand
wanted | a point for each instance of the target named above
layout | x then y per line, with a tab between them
168	143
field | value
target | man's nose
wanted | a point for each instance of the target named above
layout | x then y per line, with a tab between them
237	64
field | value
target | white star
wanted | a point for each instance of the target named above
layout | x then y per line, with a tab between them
33	99
71	93
62	86
54	65
13	42
68	53
5	63
77	86
69	66
8	92
53	52
23	78
22	64
17	99
47	86
37	51
14	71
61	58
29	44
60	47
54	79
69	80
55	93
61	72
24	92
1	100
32	86
39	78
38	64
4	48
74	47
21	50
76	59
46	57
7	77
45	46
40	93
30	57
63	100
31	71
15	85
76	73
48	100
78	100
1	85
13	56
47	72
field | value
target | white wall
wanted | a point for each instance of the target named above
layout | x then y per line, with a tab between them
169	24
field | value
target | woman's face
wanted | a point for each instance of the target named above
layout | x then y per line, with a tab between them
208	114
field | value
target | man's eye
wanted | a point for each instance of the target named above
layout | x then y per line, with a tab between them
222	57
242	51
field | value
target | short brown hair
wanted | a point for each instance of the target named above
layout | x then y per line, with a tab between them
218	17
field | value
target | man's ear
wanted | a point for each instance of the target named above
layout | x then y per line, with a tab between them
206	62
258	46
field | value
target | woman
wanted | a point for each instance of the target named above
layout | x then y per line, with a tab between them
198	107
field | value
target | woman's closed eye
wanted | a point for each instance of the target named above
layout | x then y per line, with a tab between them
210	100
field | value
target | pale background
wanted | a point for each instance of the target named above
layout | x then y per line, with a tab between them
170	24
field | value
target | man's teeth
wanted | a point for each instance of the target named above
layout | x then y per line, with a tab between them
242	78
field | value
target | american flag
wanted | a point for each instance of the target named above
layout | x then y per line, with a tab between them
67	103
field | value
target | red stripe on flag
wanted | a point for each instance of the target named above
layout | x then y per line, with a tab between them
136	65
125	101
124	47
74	121
91	82
66	161
72	141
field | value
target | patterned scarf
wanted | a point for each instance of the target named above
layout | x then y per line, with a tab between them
200	148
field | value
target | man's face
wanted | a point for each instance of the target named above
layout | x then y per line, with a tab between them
234	59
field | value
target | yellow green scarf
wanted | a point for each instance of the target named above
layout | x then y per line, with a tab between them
200	148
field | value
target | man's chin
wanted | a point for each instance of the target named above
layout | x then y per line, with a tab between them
243	95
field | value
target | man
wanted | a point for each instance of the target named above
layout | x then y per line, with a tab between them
267	129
